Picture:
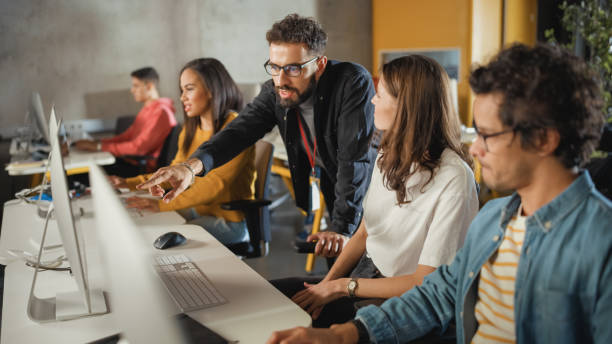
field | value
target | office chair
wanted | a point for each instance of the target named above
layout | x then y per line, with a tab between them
166	154
256	211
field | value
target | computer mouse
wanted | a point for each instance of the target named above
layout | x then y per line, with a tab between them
168	240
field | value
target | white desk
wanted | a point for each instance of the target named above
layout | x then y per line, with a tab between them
77	159
22	227
253	311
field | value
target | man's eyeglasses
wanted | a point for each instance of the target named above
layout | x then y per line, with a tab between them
487	136
292	70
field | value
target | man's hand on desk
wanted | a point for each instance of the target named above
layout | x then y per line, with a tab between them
64	149
87	145
329	244
180	177
118	182
143	204
344	333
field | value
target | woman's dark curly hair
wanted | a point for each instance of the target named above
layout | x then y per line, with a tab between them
546	87
296	29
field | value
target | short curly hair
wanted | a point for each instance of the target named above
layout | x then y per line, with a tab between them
296	29
544	87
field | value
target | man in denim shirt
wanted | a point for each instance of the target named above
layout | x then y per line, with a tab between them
538	117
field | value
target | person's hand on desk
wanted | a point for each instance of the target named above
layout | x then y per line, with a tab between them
315	296
329	244
64	148
343	333
118	182
141	203
87	145
180	177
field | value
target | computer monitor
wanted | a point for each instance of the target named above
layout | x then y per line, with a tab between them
36	111
84	301
140	304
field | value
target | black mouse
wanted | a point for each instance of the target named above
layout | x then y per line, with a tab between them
168	240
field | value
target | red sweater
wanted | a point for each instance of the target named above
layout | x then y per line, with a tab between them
147	134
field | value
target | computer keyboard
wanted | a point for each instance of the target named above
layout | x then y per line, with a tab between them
134	212
187	284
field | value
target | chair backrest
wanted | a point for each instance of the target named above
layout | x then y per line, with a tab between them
260	237
169	148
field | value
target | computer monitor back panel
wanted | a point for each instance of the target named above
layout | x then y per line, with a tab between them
91	302
63	213
141	306
76	303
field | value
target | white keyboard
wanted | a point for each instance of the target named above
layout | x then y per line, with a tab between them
134	212
187	284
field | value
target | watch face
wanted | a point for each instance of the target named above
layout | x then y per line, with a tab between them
351	288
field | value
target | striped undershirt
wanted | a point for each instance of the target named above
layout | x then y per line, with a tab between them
495	306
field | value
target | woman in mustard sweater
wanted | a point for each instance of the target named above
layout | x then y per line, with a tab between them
210	100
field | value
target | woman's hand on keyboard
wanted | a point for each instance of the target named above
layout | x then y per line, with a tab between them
118	182
143	204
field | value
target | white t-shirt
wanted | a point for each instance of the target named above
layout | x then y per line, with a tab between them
430	229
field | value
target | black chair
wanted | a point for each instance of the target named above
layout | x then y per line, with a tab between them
166	154
256	212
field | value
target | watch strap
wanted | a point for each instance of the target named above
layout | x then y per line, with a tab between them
362	332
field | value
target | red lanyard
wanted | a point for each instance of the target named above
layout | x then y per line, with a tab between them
311	157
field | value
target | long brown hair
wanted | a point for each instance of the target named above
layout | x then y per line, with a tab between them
425	124
224	94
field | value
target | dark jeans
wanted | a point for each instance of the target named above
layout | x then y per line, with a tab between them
337	311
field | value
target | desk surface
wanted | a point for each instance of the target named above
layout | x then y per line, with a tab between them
254	310
22	227
76	159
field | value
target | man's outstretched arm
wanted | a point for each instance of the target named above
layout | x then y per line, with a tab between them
251	124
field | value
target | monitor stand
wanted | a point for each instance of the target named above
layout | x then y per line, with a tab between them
64	306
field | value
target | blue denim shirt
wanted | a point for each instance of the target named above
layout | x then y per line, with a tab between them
563	290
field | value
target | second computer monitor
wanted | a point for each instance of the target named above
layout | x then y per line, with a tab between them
36	111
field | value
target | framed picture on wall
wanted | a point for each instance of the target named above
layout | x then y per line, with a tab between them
449	58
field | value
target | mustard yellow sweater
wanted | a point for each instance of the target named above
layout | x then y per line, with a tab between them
233	181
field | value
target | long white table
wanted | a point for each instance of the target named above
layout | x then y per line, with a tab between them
77	159
22	227
253	311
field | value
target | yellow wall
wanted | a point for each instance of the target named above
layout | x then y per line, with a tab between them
486	36
520	23
425	24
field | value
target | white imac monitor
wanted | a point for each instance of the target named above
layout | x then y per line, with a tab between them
141	306
84	301
36	111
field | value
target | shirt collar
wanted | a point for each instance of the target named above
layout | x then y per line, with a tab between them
551	214
308	104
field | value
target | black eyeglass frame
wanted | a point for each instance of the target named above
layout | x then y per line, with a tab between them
486	136
285	67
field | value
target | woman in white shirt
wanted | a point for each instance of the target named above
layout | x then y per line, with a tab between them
421	199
